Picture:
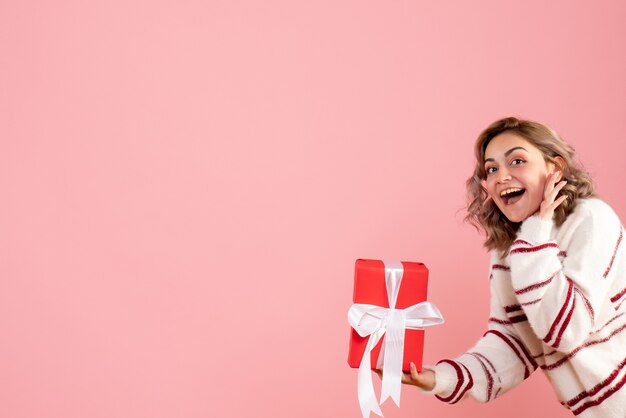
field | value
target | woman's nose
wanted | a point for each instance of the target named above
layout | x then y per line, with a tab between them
503	176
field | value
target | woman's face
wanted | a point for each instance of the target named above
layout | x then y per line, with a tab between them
516	175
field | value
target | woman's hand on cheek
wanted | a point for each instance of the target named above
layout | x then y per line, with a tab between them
550	201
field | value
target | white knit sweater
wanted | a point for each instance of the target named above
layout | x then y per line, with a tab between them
556	304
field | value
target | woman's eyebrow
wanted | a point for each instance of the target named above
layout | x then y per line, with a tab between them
506	154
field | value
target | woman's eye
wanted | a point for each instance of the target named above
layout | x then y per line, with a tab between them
517	161
490	170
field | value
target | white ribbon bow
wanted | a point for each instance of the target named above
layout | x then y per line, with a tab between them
377	321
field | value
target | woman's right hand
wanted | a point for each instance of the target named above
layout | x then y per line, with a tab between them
423	380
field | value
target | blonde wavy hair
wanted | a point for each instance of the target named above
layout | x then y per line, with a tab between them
483	213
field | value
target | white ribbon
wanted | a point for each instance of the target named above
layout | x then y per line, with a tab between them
377	321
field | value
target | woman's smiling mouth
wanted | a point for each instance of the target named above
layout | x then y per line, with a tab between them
511	195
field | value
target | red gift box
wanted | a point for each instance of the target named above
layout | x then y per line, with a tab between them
370	288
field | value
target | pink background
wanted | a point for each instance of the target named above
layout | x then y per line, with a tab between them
186	186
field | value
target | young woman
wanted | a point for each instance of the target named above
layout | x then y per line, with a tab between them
558	278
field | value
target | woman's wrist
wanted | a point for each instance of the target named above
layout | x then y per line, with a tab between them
535	229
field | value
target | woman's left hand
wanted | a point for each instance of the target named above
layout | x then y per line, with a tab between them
549	204
424	379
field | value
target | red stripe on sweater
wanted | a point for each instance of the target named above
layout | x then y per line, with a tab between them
533	249
565	323
602	398
585	345
459	383
561	312
500	267
495	395
520	318
515	350
587	304
469	385
535	286
489	363
521	241
619	240
512	308
550	353
500	321
487	373
605	325
619	295
531	302
530	358
597	388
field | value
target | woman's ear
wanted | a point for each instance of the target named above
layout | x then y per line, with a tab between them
560	165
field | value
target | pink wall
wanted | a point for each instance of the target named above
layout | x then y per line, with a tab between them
186	186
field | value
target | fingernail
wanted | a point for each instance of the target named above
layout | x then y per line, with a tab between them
412	365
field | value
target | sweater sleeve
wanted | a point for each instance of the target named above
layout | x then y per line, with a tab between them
561	289
498	362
